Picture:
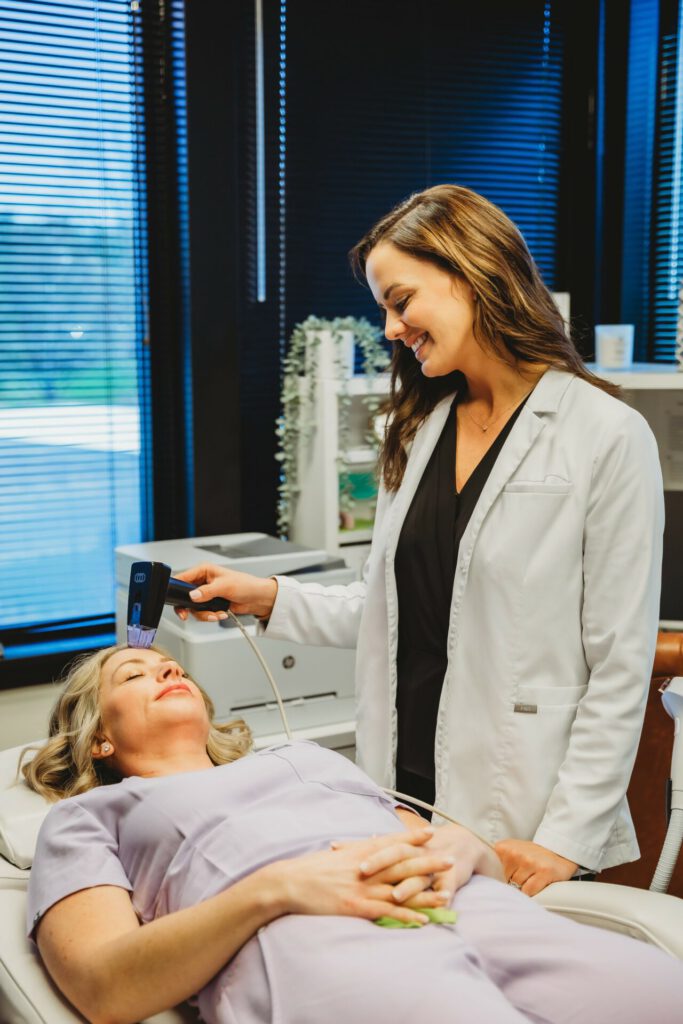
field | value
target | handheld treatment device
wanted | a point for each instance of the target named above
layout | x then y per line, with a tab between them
151	587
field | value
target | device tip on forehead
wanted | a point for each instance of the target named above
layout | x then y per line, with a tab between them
140	637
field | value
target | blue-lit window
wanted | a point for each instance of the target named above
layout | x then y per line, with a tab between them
652	264
71	306
668	200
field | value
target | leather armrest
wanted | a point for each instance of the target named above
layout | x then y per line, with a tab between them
652	917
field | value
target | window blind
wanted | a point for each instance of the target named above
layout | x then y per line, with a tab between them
641	112
652	265
667	238
72	413
386	103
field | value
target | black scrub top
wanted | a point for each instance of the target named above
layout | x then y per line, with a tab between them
425	567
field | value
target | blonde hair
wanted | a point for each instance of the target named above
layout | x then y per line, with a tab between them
514	313
64	766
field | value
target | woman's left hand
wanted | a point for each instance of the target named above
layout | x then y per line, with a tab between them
471	855
531	867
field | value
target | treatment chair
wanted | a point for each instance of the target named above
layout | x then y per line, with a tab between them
647	790
28	996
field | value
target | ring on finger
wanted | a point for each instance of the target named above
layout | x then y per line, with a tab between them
515	885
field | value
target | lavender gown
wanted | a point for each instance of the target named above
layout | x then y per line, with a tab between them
176	840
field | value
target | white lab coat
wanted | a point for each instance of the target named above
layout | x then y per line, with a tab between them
552	629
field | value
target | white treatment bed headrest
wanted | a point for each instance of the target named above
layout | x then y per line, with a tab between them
21	812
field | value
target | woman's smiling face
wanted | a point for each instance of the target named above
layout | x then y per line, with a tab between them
144	695
426	309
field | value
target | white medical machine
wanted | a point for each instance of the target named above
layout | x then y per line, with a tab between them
316	683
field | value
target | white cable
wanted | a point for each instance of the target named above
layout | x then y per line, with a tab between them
265	668
435	810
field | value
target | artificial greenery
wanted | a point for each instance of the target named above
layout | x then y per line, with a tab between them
297	422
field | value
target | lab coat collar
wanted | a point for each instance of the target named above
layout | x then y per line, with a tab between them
548	393
545	399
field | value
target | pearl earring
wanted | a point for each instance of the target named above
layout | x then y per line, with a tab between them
106	747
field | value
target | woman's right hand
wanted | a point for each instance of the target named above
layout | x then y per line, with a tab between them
335	882
248	595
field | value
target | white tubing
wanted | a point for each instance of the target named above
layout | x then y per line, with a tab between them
670	852
264	666
435	810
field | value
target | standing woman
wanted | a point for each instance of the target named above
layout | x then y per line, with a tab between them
506	623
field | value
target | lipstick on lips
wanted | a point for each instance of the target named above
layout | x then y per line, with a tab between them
173	686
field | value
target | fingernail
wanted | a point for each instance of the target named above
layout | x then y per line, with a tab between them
363	867
395	895
196	595
428	831
211	617
445	894
222	615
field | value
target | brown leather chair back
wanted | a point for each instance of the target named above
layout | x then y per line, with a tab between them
647	790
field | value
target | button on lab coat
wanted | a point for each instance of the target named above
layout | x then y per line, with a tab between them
552	633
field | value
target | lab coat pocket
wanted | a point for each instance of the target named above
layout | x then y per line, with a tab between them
549	698
551	485
541	721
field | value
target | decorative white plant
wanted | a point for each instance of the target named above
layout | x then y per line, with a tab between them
297	421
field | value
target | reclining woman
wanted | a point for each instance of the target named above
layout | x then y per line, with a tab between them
181	866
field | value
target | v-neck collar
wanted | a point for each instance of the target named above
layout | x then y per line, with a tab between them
483	467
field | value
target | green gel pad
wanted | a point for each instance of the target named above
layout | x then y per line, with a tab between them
437	915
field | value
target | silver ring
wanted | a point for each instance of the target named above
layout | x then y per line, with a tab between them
515	885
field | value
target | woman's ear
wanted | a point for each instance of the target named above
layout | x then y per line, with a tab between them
101	749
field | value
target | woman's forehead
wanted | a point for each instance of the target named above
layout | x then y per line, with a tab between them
387	267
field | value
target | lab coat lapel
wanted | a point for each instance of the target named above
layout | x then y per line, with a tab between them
542	403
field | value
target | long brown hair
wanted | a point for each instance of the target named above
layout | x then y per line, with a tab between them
64	765
515	315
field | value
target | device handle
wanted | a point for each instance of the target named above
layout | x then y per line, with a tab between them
178	595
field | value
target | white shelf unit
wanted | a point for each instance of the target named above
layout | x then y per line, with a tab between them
644	376
656	391
316	519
